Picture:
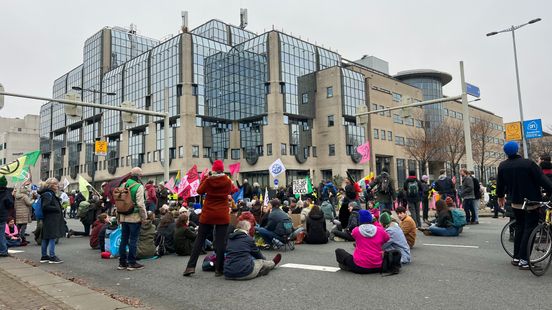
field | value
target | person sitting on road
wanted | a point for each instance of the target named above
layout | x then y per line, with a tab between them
367	257
397	240
244	260
246	215
184	236
408	226
105	232
443	225
278	227
346	234
316	232
165	231
12	234
96	228
146	244
329	210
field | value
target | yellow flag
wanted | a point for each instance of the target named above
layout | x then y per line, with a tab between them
14	168
83	187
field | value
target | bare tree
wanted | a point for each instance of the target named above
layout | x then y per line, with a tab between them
453	148
422	145
485	151
540	146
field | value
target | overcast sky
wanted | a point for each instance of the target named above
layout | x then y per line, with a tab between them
41	40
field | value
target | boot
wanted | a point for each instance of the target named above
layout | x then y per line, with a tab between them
300	237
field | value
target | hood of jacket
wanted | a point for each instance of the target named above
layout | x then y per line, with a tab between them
238	234
442	177
367	230
147	225
316	216
44	190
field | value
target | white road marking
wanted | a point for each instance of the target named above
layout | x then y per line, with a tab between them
15	251
311	267
453	245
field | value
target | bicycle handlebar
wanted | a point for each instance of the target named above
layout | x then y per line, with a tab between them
540	203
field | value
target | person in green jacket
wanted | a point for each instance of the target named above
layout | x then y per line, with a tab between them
184	236
146	245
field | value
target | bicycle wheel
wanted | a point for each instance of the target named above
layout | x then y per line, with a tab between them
539	249
507	238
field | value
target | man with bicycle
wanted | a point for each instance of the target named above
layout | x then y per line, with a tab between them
521	179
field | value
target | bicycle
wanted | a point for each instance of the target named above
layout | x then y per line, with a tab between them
507	237
539	247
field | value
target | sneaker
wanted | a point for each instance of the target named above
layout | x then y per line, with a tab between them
122	266
70	233
524	267
338	239
277	259
276	244
55	260
515	262
135	266
45	259
427	233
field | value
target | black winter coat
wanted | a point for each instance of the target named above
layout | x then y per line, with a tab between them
6	204
53	224
416	198
316	229
240	253
168	233
521	178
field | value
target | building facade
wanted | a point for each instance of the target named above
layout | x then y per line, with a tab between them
233	95
17	137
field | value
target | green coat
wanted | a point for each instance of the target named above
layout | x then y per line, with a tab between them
146	245
184	239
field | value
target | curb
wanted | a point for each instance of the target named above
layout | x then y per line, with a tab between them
67	292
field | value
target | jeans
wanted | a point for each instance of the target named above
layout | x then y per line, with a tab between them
48	244
476	204
220	244
385	206
129	237
443	231
347	263
468	205
3	242
526	221
425	209
85	233
13	242
267	235
414	208
22	230
258	264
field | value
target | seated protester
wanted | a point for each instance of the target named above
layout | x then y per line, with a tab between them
146	243
374	209
193	216
278	227
245	215
328	209
12	234
184	236
443	225
257	210
367	257
96	228
316	232
265	213
305	211
165	231
87	215
346	234
407	225
397	240
285	206
298	207
105	232
244	260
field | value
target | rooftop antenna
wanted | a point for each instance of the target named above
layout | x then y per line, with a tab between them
184	21
132	29
243	18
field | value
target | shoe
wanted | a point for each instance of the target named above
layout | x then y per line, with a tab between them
135	266
524	267
45	259
122	266
495	217
476	222
277	244
188	272
264	271
300	237
515	262
427	233
218	274
277	258
338	239
70	233
55	260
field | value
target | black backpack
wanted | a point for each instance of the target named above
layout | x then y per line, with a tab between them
160	248
384	184
391	262
413	191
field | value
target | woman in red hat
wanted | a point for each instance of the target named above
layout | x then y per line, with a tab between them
214	215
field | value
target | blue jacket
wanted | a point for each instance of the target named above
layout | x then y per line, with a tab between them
240	253
397	241
276	221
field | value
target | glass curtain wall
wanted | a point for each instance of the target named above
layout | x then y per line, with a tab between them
354	93
112	83
73	144
165	73
126	45
136	87
74	79
92	70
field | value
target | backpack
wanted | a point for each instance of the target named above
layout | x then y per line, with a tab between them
384	184
209	262
391	262
37	208
160	248
458	218
84	206
287	225
123	199
413	190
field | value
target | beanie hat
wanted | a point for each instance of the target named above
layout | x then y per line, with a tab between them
449	202
218	166
3	181
365	217
385	218
425	177
197	206
511	148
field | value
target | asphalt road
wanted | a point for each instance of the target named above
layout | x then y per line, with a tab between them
438	278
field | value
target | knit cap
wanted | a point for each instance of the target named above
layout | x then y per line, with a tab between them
511	148
365	217
3	181
385	218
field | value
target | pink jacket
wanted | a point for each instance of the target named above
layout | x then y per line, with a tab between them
15	231
369	240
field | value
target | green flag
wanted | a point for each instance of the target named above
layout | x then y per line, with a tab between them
25	175
309	186
31	158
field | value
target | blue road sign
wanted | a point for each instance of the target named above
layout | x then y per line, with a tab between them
532	129
473	90
276	182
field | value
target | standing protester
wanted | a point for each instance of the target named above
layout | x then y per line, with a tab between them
444	186
413	189
521	179
6	203
214	215
151	196
468	195
247	190
53	224
130	224
350	196
23	204
65	202
425	197
493	199
385	191
162	197
478	195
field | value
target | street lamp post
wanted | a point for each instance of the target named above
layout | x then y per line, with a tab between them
94	157
513	29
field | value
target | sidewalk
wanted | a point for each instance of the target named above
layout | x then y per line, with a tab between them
28	287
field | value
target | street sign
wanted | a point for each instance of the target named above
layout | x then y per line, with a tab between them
101	148
532	129
472	90
513	131
276	182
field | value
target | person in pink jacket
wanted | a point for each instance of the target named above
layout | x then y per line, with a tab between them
12	234
367	257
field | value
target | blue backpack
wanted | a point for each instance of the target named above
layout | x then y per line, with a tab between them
37	208
458	218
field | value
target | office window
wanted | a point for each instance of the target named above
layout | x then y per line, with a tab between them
195	151
305	98
452	114
206	152
446	112
329	92
235	154
269	149
331	150
459	115
292	149
381	108
376	133
283	148
409	121
397	119
397	97
383	134
180	151
399	140
418	123
374	106
314	153
148	157
330	120
389	136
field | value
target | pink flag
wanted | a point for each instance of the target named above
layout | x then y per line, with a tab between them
204	173
170	185
184	188
234	168
193	188
192	174
364	150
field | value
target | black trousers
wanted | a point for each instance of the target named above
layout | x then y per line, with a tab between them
526	221
346	262
220	244
425	209
343	235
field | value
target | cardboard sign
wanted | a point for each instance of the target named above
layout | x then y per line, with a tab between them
296	220
300	186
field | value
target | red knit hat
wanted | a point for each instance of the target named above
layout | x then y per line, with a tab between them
449	202
218	166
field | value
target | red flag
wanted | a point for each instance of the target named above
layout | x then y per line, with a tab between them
204	173
234	168
192	174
